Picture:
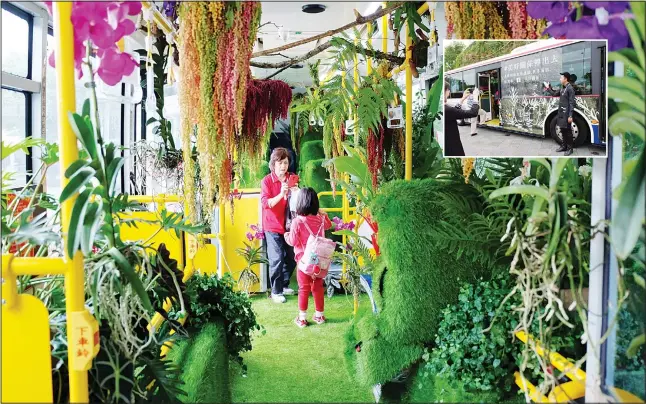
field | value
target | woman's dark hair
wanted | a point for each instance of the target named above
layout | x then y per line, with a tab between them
308	202
279	153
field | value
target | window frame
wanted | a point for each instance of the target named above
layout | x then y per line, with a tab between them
29	19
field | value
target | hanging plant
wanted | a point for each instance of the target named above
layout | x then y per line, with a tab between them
479	23
266	102
223	33
189	102
375	150
518	19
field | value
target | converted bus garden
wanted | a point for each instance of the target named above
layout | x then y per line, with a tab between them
467	258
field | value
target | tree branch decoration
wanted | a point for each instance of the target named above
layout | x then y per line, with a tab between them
360	20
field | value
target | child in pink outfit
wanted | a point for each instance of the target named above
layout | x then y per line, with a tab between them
309	216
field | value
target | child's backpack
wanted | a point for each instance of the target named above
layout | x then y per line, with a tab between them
317	257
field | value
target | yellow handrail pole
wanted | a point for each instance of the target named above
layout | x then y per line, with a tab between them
384	31
74	281
221	241
369	61
356	89
409	108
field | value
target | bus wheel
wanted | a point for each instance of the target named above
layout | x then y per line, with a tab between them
580	131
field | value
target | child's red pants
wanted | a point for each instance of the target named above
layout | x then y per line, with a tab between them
306	285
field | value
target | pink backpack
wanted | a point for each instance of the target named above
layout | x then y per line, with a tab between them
317	257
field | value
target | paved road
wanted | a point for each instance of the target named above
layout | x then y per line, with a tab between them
492	143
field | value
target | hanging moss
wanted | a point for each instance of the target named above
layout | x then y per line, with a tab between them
204	361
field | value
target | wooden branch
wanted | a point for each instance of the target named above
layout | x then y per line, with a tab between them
360	20
287	63
277	72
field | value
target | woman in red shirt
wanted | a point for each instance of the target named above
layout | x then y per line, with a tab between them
273	197
310	218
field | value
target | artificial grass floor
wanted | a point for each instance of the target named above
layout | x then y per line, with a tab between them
289	364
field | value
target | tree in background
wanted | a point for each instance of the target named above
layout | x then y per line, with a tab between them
483	50
451	53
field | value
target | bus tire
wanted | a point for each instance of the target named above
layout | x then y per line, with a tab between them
580	131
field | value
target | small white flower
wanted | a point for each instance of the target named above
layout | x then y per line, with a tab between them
585	171
584	339
602	16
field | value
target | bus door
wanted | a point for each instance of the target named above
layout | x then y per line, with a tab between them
484	83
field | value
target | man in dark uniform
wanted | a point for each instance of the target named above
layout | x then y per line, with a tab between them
564	117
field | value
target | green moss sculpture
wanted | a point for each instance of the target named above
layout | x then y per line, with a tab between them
312	150
311	135
205	365
251	178
414	280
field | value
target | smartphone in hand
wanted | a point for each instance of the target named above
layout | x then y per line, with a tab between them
292	181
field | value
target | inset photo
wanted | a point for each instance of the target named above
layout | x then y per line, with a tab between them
510	98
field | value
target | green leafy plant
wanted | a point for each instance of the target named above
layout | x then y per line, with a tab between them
253	255
162	127
628	116
474	344
550	246
407	16
25	224
214	299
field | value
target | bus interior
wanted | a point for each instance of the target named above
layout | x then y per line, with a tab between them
489	85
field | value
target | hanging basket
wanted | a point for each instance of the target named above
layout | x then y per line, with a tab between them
420	53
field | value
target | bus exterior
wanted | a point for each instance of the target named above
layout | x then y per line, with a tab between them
513	94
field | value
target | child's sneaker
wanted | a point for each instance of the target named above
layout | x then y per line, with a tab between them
318	319
278	298
300	323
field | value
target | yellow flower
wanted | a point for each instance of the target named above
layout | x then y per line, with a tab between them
467	167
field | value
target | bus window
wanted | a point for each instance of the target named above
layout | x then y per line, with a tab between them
577	59
469	78
456	85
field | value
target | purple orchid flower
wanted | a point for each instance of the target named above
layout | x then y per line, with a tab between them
115	65
249	236
606	23
253	227
554	11
170	9
104	24
260	235
612	7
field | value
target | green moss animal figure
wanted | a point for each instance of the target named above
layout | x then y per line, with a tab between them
415	279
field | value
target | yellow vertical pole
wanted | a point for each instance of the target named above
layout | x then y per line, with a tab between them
384	31
221	240
356	144
344	199
74	281
356	88
409	108
369	61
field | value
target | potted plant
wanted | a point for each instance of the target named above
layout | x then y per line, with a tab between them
253	254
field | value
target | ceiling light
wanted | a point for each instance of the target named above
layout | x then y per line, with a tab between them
313	8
